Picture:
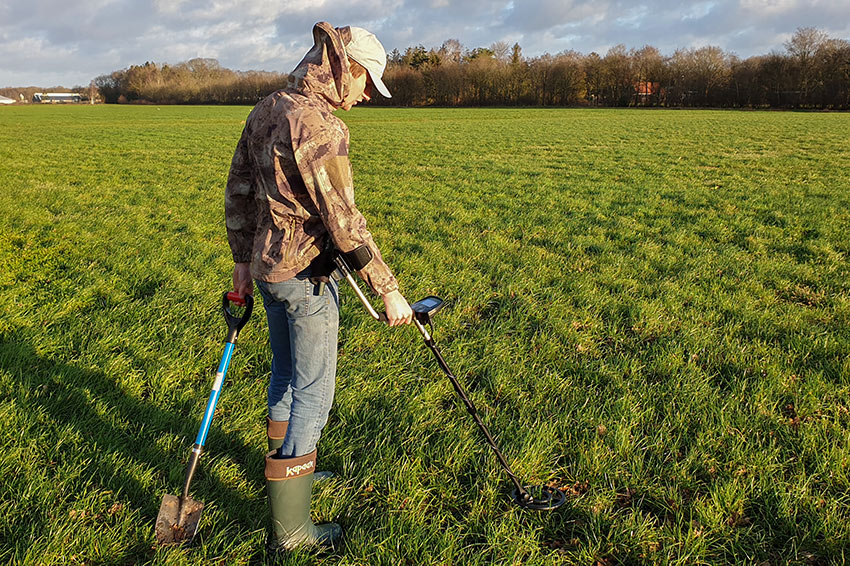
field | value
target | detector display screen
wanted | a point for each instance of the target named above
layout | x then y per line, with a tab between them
428	305
430	302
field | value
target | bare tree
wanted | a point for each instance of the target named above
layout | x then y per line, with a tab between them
698	75
501	51
481	78
711	72
744	82
593	76
774	78
451	51
447	83
802	48
406	84
567	79
617	76
805	43
832	74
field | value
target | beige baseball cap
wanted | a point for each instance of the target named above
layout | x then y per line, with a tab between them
365	48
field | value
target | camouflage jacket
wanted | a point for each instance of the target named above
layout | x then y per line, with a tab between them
290	184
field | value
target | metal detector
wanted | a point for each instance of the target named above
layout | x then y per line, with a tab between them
537	497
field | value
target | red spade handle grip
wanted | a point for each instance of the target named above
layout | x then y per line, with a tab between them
234	297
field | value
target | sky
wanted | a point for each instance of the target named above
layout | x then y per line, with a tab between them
70	42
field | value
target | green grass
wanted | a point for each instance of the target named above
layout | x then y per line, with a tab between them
649	308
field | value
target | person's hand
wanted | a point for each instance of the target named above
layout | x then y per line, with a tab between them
398	311
243	284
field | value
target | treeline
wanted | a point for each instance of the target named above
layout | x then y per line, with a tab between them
812	72
198	81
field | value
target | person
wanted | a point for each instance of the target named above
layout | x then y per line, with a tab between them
289	201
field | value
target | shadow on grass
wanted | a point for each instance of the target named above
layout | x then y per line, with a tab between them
793	536
116	427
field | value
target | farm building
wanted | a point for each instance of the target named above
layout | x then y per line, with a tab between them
4	100
56	97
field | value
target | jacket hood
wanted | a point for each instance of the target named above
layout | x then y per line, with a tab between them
324	70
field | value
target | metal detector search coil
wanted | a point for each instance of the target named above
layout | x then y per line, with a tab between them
538	498
547	497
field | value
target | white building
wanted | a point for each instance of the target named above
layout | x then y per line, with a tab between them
56	97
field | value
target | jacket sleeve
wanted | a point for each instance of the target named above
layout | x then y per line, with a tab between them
240	208
321	153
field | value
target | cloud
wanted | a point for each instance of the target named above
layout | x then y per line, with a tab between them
544	15
49	42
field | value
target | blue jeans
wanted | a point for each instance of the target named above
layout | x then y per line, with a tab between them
303	332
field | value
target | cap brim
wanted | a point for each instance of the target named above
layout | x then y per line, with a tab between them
379	84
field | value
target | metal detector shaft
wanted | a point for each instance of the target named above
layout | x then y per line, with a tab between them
540	498
429	341
470	408
375	314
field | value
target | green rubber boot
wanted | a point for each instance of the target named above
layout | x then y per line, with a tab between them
289	483
276	432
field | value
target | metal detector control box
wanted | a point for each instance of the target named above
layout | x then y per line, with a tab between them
424	309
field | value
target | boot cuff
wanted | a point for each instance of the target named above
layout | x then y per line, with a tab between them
289	468
276	429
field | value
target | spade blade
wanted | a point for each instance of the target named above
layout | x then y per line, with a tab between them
178	520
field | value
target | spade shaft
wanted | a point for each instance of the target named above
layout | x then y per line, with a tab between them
179	517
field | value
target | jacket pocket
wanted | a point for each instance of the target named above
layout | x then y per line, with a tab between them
281	241
292	253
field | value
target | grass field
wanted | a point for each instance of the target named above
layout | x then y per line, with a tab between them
651	309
